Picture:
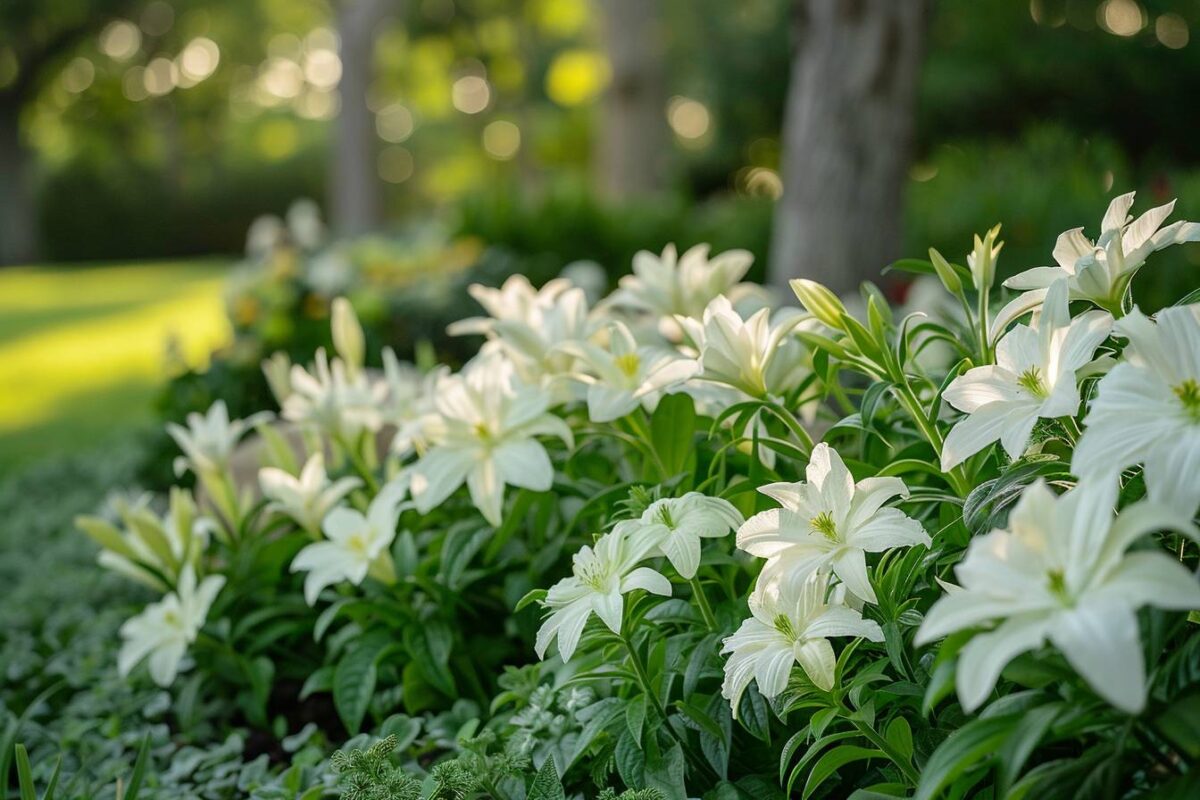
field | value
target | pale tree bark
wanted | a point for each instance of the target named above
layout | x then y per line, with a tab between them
847	140
18	239
355	199
632	147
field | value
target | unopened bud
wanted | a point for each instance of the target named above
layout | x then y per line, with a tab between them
820	302
348	337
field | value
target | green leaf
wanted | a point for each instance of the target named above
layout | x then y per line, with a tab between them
106	535
753	714
665	773
631	762
139	770
1025	737
429	646
1179	723
532	596
834	760
52	786
697	716
635	717
899	736
320	680
672	428
24	774
967	746
354	679
405	555
403	727
546	785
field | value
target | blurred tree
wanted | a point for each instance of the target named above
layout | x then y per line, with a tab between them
355	201
633	131
847	139
32	42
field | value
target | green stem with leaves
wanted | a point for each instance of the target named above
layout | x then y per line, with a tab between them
706	611
643	677
902	763
908	399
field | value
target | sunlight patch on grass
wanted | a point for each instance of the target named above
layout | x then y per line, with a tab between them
82	350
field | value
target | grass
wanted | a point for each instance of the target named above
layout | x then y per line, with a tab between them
83	349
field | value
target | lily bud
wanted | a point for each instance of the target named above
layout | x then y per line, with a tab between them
820	302
945	272
348	337
278	370
982	261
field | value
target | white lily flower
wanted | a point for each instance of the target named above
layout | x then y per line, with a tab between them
677	524
830	522
209	439
410	406
626	375
601	575
1033	378
355	545
752	356
1060	572
164	629
531	326
485	436
151	550
333	400
1100	271
307	498
515	301
1147	409
671	284
791	623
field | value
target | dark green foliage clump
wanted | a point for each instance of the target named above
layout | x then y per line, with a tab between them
370	774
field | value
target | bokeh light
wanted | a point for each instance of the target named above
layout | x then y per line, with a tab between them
1121	17
78	75
470	94
1172	31
688	118
322	67
395	164
198	60
576	77
501	139
120	40
394	123
161	77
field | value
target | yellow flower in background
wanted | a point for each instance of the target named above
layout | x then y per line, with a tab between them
577	77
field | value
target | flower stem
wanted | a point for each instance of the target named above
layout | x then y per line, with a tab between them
903	764
644	679
702	602
908	398
985	346
359	464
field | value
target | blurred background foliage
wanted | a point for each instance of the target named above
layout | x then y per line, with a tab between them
162	129
171	127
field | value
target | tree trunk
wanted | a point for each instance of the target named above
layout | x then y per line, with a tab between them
18	222
356	205
848	134
633	131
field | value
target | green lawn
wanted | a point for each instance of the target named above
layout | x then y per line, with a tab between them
83	349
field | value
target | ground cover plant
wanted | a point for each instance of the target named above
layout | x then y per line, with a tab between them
684	543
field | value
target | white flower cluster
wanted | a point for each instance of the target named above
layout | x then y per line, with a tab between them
1067	569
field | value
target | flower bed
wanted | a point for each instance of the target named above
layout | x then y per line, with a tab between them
613	554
